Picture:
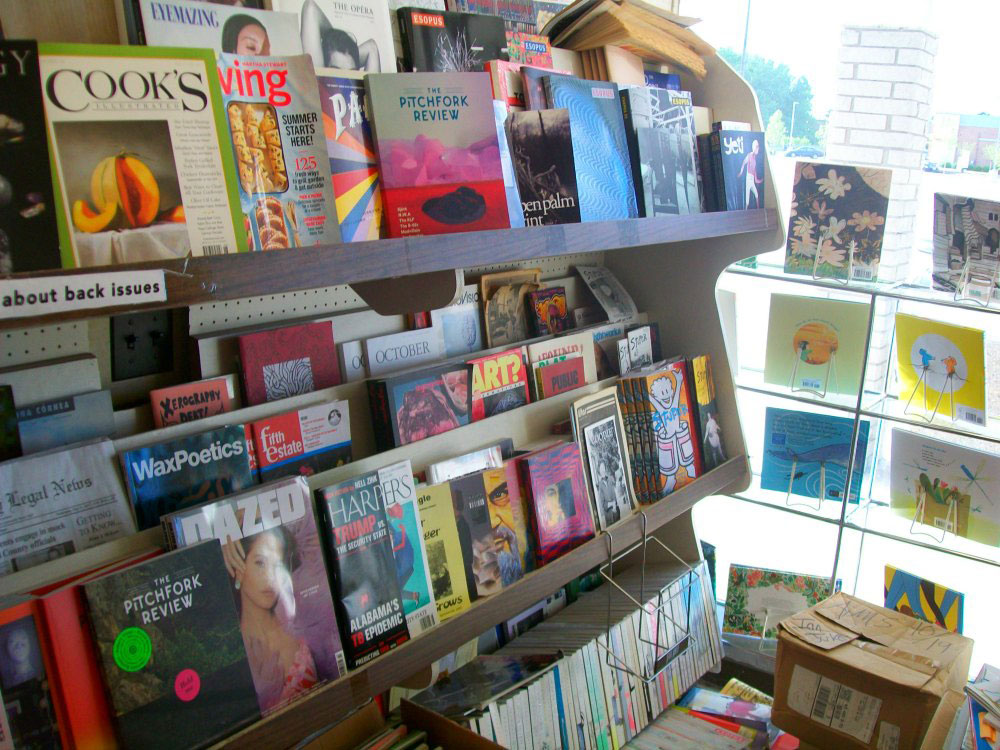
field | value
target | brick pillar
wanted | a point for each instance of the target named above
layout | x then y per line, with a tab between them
882	119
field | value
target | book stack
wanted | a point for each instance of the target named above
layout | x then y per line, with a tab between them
596	694
984	706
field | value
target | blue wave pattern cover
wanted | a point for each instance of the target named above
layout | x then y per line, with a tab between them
603	172
811	451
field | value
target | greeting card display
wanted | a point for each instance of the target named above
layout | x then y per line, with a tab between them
837	221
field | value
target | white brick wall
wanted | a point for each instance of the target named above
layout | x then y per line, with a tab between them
880	118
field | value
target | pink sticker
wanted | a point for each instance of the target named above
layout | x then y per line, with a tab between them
187	685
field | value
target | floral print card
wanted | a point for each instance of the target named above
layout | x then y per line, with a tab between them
839	212
755	592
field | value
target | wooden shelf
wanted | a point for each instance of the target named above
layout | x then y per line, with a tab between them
206	280
335	700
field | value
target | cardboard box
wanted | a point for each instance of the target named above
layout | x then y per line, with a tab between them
852	675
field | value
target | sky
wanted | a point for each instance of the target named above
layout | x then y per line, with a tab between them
805	35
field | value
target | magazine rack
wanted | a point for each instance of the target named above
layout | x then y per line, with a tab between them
666	631
977	282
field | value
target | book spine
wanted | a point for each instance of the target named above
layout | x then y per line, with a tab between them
632	138
655	478
641	440
718	173
628	418
378	401
405	34
707	173
687	398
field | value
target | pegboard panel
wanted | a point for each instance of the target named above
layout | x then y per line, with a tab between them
213	317
554	267
272	308
45	342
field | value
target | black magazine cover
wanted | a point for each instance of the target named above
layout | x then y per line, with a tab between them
365	588
739	169
171	652
541	151
475	533
449	42
29	237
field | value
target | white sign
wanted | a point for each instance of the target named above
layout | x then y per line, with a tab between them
22	298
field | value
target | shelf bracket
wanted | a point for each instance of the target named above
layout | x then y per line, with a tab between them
415	293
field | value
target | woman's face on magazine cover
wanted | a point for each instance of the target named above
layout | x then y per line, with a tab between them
252	40
265	561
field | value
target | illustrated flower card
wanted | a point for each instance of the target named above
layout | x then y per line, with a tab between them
755	593
837	212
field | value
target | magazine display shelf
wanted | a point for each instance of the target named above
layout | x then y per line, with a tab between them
670	266
205	280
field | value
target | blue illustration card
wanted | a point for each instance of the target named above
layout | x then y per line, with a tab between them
600	149
923	599
811	452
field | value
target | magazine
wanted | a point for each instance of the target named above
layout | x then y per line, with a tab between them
234	29
276	131
139	164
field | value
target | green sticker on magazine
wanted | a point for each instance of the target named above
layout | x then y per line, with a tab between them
132	649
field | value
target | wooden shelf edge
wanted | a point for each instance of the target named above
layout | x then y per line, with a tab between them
206	280
332	702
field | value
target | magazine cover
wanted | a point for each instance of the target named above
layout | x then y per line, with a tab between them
408	549
278	582
489	559
945	486
659	126
517	14
506	314
541	150
350	148
529	49
304	442
274	115
672	430
348	36
759	595
609	293
417	405
438	152
738	161
450	42
52	424
562	518
600	434
923	599
27	709
171	650
178	404
508	87
815	344
600	151
48	498
510	523
842	209
966	236
806	454
549	313
942	369
231	28
558	375
10	440
499	383
28	216
444	550
136	180
515	212
461	328
404	350
177	474
363	570
713	452
569	345
288	361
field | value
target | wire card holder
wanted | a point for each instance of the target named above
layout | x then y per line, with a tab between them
978	281
667	611
946	524
851	246
951	375
769	646
831	372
